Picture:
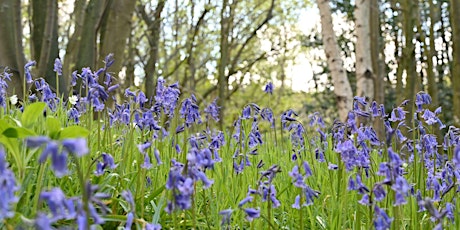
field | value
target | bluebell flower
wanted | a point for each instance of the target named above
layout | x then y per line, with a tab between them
381	219
58	66
156	152
8	187
269	88
77	146
226	217
129	220
246	114
398	114
43	222
27	73
166	97
58	204
147	164
190	111
108	60
422	98
212	111
379	192
296	204
247	199
365	200
107	162
149	226
252	213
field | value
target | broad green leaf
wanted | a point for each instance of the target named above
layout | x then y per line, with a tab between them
18	132
31	113
53	126
4	125
73	132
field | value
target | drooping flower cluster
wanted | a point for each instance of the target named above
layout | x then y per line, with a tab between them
166	98
8	187
74	208
298	179
6	75
58	151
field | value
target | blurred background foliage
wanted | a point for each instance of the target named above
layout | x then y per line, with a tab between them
230	49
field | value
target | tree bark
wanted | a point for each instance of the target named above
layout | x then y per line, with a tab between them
155	27
455	22
87	49
11	48
44	41
115	32
342	88
364	72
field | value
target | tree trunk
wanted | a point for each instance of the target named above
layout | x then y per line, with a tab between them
378	65
223	60
342	88
364	71
455	22
11	49
87	49
44	41
413	82
430	54
151	68
115	32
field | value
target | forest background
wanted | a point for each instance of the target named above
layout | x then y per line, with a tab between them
387	50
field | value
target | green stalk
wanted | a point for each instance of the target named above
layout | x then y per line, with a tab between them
38	186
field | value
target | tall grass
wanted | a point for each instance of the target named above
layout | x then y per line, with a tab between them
157	162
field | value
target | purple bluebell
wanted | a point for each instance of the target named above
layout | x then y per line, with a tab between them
43	222
252	213
272	193
27	73
365	200
149	226
379	192
57	66
310	194
143	147
269	88
246	200
246	114
4	86
398	114
107	162
267	115
74	114
190	111
156	152
307	169
296	204
422	98
212	111
381	219
226	217
456	156
8	187
147	164
77	146
58	204
129	221
166	97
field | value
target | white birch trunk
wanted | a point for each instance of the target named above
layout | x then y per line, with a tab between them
342	88
364	72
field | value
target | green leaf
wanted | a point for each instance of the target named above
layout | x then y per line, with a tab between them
31	113
18	132
4	125
53	126
73	132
